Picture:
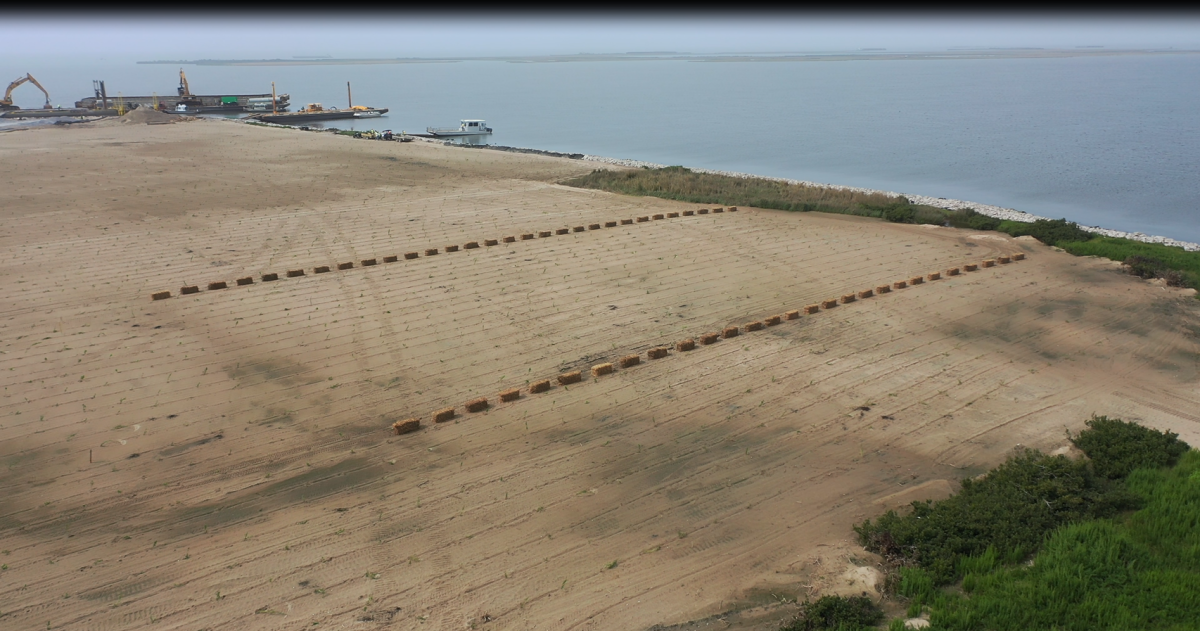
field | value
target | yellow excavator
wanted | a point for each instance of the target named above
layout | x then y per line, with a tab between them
7	103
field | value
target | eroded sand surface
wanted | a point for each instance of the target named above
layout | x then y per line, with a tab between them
223	460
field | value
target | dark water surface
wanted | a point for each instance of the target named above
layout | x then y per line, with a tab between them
1110	141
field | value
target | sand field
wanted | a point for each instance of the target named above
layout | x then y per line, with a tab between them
224	459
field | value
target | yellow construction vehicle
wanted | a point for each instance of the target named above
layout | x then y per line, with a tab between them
7	103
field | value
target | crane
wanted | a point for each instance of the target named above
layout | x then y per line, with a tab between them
184	90
7	103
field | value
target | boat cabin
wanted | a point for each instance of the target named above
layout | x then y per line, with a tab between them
474	126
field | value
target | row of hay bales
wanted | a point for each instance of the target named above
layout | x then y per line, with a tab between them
682	346
470	245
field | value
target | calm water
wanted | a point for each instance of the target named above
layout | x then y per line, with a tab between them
1103	141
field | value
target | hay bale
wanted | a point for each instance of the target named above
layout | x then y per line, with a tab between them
847	299
601	369
730	331
471	245
539	386
160	295
658	216
704	211
773	320
527	236
752	326
406	426
342	266
643	219
866	293
970	267
672	215
610	224
883	289
689	213
715	210
410	255
321	269
953	271
510	395
1003	260
245	281
685	345
709	338
192	289
626	222
270	277
579	228
449	248
477	405
568	378
593	226
811	309
490	242
441	416
829	304
988	263
900	284
1018	256
792	315
431	252
510	239
542	234
733	209
934	276
390	259
295	273
562	231
916	280
217	285
630	360
368	262
658	353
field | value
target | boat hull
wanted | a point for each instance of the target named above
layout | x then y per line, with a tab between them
299	118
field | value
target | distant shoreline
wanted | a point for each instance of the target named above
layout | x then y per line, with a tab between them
867	55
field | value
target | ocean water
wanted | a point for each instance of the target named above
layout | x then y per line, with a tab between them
1110	141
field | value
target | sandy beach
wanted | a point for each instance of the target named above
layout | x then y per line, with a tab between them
224	459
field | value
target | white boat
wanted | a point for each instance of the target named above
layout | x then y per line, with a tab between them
466	127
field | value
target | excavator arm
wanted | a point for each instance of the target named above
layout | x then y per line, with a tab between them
184	90
12	86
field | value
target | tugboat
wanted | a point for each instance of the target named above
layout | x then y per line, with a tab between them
314	112
466	127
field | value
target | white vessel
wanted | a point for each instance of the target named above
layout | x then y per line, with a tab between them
466	127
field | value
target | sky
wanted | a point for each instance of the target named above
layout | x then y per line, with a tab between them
184	35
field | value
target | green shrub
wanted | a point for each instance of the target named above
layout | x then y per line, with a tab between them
1117	447
1010	509
1176	266
900	214
836	613
1048	231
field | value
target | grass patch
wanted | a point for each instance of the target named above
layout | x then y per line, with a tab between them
1148	260
838	613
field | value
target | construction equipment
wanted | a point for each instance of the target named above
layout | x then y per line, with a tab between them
101	95
7	103
188	102
183	84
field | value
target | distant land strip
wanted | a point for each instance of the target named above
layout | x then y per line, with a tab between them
867	55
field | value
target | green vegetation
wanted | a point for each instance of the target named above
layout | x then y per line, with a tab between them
836	613
1095	567
1176	266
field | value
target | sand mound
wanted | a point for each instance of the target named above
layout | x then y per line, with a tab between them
149	116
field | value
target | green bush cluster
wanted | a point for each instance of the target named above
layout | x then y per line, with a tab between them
1115	447
836	613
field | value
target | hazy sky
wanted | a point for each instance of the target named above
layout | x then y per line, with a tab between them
364	34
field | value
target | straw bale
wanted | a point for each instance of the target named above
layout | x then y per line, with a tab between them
773	320
866	293
643	219
610	224
811	309
579	228
510	395
970	267
626	222
709	338
294	273
542	234
729	331
510	239
934	276
1003	260
703	211
568	378
916	280
953	271
390	259
792	315
431	251
883	289
593	226
672	215
245	281
449	248
658	216
715	210
601	369
527	236
368	262
630	360
657	353
848	298
539	386
471	245
989	263
270	277
192	289
829	304
491	242
562	231
689	213
685	345
1018	256
406	426
342	266
900	284
217	285
477	405
441	416
160	295
752	326
733	209
320	269
410	255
